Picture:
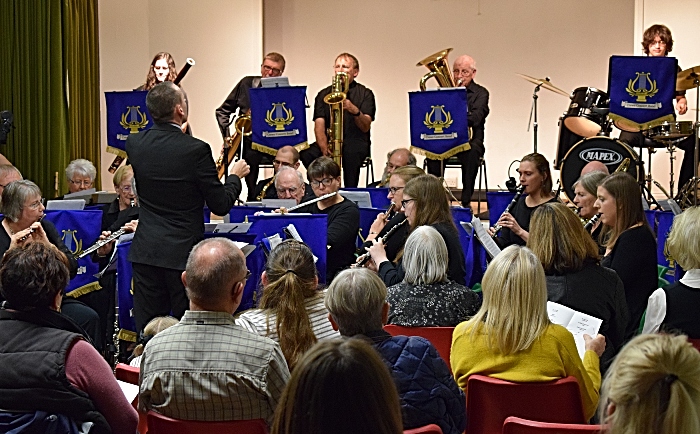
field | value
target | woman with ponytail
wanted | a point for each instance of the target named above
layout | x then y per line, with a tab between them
291	309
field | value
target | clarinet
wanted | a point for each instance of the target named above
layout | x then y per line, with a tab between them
589	225
518	193
362	260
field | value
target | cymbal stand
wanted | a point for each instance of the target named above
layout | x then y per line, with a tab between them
533	109
645	184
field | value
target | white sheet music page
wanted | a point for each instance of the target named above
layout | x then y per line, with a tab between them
484	238
578	323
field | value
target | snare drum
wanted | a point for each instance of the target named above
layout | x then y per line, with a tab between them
609	151
670	131
580	118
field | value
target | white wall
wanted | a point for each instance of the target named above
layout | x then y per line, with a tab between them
224	37
567	40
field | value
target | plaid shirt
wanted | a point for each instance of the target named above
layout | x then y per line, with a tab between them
210	369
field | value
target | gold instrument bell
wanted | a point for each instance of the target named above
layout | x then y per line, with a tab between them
242	126
339	91
439	68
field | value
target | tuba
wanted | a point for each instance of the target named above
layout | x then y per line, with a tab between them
439	68
241	126
339	91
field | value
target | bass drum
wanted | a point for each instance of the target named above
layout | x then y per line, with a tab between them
608	151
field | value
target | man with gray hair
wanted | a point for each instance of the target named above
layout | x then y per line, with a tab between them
357	306
396	158
207	367
290	185
8	174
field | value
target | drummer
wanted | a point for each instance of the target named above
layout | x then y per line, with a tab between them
658	42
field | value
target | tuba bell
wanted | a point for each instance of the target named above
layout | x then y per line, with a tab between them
439	68
242	127
339	91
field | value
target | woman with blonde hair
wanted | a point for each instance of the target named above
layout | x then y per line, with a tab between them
511	337
340	387
630	244
291	310
676	307
154	326
653	387
574	277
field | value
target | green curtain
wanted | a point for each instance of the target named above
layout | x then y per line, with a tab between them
49	79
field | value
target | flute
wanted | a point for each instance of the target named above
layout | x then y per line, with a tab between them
325	196
362	259
518	193
111	237
31	230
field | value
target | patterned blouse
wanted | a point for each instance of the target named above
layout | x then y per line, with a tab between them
441	304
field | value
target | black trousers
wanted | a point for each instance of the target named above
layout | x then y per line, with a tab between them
158	291
470	167
102	302
353	156
85	317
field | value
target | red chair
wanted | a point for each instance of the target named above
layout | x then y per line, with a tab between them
130	374
159	424
428	429
516	425
490	401
440	337
695	343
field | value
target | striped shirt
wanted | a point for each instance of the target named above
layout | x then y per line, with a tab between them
208	368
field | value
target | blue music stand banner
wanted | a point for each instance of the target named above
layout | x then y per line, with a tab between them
79	230
439	123
278	116
125	294
126	114
642	90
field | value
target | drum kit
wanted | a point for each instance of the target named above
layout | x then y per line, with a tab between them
584	135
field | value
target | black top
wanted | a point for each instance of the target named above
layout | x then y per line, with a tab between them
359	95
397	240
596	291
439	304
456	268
176	176
343	224
238	99
271	192
634	260
53	237
682	306
522	214
478	105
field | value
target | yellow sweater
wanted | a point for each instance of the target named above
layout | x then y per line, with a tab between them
551	357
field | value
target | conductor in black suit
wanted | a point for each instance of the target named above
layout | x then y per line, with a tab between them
176	176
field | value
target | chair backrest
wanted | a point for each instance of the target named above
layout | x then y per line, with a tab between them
490	401
516	425
440	337
127	374
428	429
695	343
159	424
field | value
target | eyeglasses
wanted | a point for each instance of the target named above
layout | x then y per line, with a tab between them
462	71
277	162
126	189
274	71
394	190
324	181
406	202
81	183
247	276
37	204
290	190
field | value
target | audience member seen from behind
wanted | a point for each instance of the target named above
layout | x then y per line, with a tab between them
574	277
154	326
356	300
676	308
207	367
426	297
80	175
339	387
46	366
652	387
291	310
425	202
511	337
630	244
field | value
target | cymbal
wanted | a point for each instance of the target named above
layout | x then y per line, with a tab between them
544	83
686	78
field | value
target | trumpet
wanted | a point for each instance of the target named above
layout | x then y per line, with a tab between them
242	128
339	92
518	193
362	259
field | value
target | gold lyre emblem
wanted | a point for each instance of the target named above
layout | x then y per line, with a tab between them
71	241
283	116
645	87
137	119
441	119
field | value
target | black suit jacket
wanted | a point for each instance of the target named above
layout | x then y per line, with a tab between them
175	175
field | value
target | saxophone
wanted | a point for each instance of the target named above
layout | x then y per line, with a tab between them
339	91
242	128
261	196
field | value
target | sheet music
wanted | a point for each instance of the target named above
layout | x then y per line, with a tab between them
130	391
484	238
578	323
295	234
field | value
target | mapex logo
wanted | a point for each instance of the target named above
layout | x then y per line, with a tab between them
606	156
